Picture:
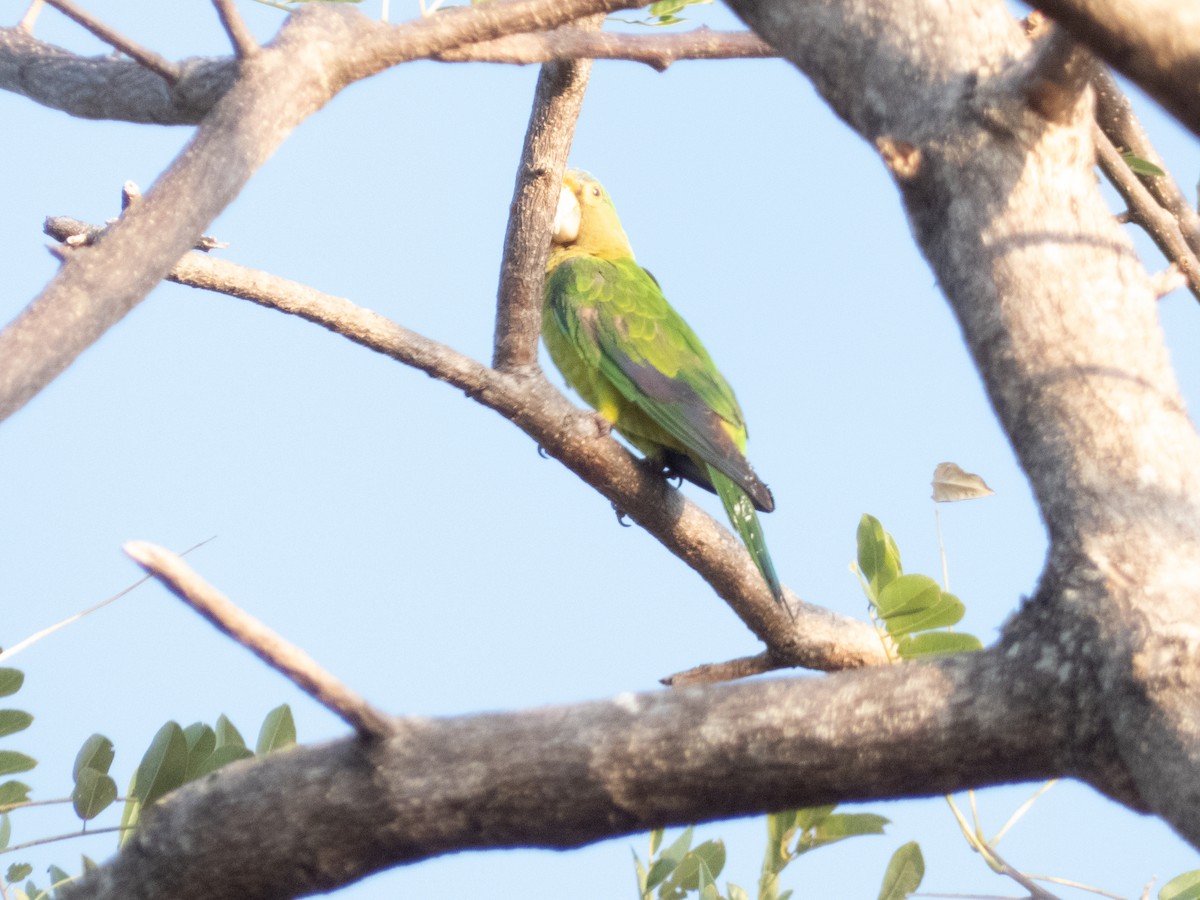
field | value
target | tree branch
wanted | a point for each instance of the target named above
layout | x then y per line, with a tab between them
817	639
1061	321
561	777
243	41
286	658
319	51
117	89
556	104
1155	43
1145	211
658	51
164	68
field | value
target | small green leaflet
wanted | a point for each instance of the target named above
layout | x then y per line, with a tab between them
278	731
904	873
1141	166
94	792
10	681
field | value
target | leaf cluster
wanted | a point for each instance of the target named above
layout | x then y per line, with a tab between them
176	755
914	612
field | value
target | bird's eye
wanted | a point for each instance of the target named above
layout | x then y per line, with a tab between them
595	191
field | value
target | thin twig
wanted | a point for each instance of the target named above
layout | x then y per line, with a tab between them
268	646
1116	118
244	44
1144	210
556	104
147	58
64	837
731	670
45	632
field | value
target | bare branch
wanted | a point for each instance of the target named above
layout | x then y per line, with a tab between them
178	577
1116	118
714	673
164	68
1145	211
243	41
1155	43
562	777
1060	72
556	103
655	50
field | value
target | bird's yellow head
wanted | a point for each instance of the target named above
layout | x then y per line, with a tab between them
586	220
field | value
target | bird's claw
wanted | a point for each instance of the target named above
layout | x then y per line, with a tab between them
621	514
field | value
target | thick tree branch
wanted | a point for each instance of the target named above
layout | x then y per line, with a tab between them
565	776
1061	320
556	104
1155	43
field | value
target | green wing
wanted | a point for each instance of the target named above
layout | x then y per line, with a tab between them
615	317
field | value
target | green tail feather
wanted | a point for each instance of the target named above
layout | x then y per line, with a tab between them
745	521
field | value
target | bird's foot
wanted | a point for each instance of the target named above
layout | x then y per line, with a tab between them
621	516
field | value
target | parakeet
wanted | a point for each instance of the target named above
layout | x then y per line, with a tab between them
632	357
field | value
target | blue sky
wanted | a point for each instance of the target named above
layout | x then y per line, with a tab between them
414	542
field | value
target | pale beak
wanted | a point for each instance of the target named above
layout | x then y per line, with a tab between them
566	218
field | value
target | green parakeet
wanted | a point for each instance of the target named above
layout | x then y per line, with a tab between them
622	347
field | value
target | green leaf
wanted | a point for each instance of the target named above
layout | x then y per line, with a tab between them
131	812
14	720
163	765
278	731
640	870
811	816
1181	887
12	792
33	892
17	871
88	864
11	762
947	610
656	837
1141	167
94	792
878	555
707	883
937	643
201	742
904	872
96	753
5	830
10	681
907	594
669	859
686	876
57	876
227	735
735	892
222	756
840	826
